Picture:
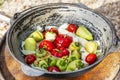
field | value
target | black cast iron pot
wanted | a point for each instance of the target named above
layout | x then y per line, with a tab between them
25	22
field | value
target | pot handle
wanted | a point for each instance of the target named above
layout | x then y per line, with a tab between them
31	71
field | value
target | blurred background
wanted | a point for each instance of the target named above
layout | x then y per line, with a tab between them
109	8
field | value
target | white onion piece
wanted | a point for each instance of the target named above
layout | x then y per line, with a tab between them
64	26
26	52
84	53
85	63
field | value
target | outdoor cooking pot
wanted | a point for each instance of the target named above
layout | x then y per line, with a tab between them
56	14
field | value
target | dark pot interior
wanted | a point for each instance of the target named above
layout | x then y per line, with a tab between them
57	14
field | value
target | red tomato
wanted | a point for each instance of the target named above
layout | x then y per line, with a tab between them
30	58
91	58
60	53
54	30
53	68
46	44
72	28
63	41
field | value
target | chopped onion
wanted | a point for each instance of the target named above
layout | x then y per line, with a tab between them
84	53
26	52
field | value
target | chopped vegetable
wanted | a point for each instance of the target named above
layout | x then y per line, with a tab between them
41	53
50	36
73	57
62	64
74	46
30	44
52	61
91	46
74	65
76	53
46	45
37	35
84	33
43	64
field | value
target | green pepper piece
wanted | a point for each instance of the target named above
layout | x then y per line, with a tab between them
43	64
41	53
62	64
52	61
36	62
74	46
74	65
37	35
30	44
76	52
84	33
73	57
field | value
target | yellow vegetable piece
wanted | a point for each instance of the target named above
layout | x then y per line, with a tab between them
37	35
74	46
30	44
84	33
91	46
76	53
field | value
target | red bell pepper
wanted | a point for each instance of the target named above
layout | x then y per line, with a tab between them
63	40
46	44
60	52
